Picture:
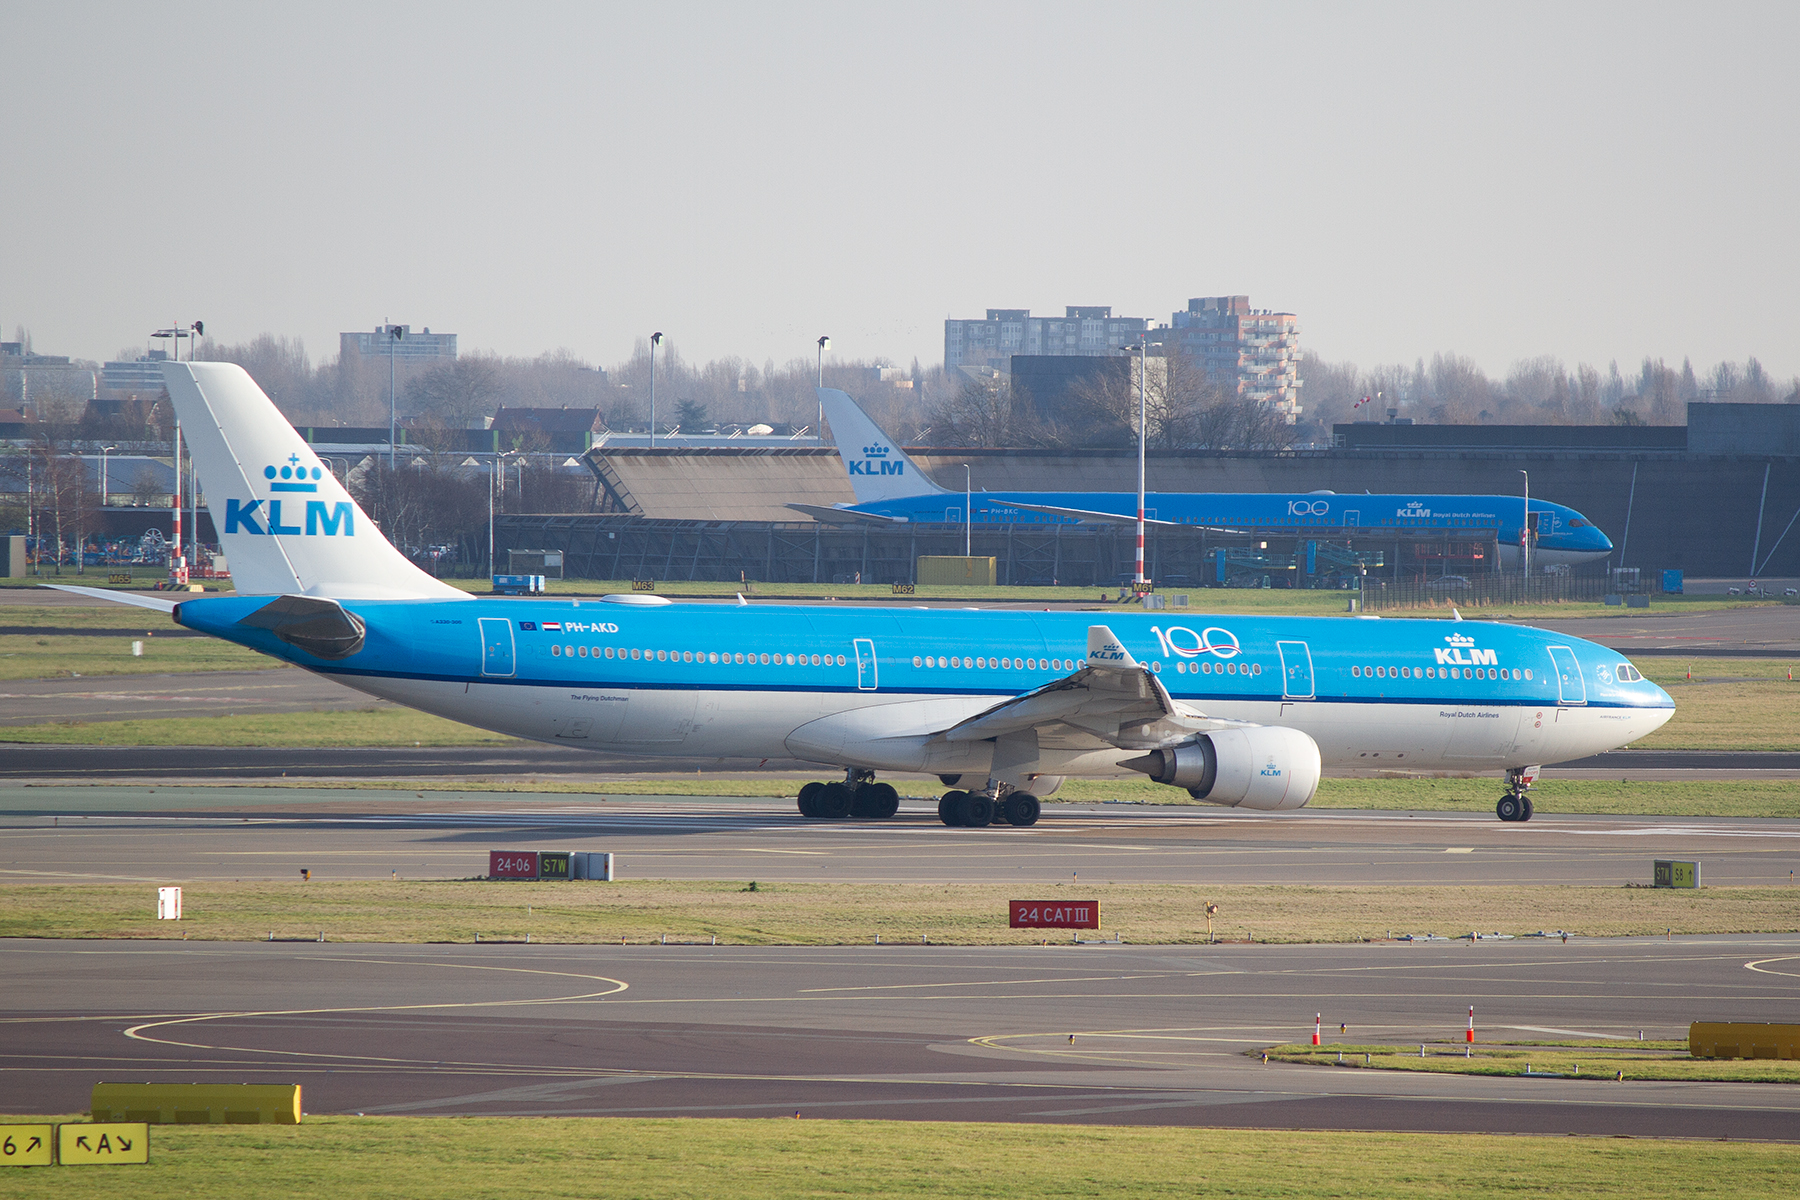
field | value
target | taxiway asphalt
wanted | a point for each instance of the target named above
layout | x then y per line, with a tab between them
1090	1034
171	835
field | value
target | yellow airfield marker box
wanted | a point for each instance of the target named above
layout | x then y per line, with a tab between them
198	1103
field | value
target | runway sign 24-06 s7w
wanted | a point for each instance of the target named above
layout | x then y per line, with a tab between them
1055	914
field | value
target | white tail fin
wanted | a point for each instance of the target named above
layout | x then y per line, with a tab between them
878	469
286	524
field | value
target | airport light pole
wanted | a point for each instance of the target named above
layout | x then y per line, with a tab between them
824	342
655	339
497	474
1525	531
968	511
104	451
393	333
1139	584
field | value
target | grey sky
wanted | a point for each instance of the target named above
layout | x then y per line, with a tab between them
1589	181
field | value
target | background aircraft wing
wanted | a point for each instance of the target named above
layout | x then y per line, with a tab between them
141	599
844	516
1112	700
1094	517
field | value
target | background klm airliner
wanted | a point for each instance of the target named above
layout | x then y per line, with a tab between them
890	486
1237	710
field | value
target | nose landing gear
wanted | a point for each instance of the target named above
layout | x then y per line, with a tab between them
857	796
1516	804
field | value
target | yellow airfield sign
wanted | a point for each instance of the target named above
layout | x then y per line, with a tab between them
102	1145
25	1146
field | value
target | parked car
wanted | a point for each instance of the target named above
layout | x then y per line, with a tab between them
1449	583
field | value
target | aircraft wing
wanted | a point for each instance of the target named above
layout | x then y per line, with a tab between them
1113	700
141	599
1092	516
832	515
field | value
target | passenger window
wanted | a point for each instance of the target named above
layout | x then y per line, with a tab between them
556	650
917	661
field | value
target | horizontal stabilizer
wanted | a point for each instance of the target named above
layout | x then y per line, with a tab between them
141	599
832	515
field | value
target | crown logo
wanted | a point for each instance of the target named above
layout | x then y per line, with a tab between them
874	451
1459	639
292	477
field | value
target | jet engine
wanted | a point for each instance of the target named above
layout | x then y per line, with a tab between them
1263	766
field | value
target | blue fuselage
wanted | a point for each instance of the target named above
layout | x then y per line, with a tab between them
1414	689
1559	528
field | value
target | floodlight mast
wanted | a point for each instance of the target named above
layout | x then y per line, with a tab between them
819	429
655	339
1139	583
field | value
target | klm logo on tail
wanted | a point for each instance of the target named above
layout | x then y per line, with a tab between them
320	520
874	462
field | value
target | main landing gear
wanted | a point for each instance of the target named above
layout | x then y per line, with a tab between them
857	796
1516	804
976	809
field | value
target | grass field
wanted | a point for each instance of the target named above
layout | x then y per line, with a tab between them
791	914
409	1157
56	643
376	727
1640	1061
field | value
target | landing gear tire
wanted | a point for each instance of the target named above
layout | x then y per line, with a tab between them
809	795
1526	816
978	810
950	807
1022	808
1510	808
879	800
834	801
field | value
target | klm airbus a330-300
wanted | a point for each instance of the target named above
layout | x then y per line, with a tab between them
1242	711
890	487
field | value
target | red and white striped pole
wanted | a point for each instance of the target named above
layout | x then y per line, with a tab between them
1317	1018
1470	1036
1138	583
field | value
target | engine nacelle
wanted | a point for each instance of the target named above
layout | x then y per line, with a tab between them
1265	767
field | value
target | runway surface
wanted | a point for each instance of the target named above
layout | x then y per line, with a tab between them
172	835
1101	1035
1765	631
195	694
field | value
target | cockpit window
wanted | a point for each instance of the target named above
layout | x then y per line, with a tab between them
1579	522
1628	673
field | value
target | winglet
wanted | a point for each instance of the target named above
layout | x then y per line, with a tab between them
742	603
1105	650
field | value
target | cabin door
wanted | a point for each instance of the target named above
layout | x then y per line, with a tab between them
496	646
865	665
1570	689
1296	670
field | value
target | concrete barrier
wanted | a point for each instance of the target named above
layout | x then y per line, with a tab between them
1743	1039
198	1103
